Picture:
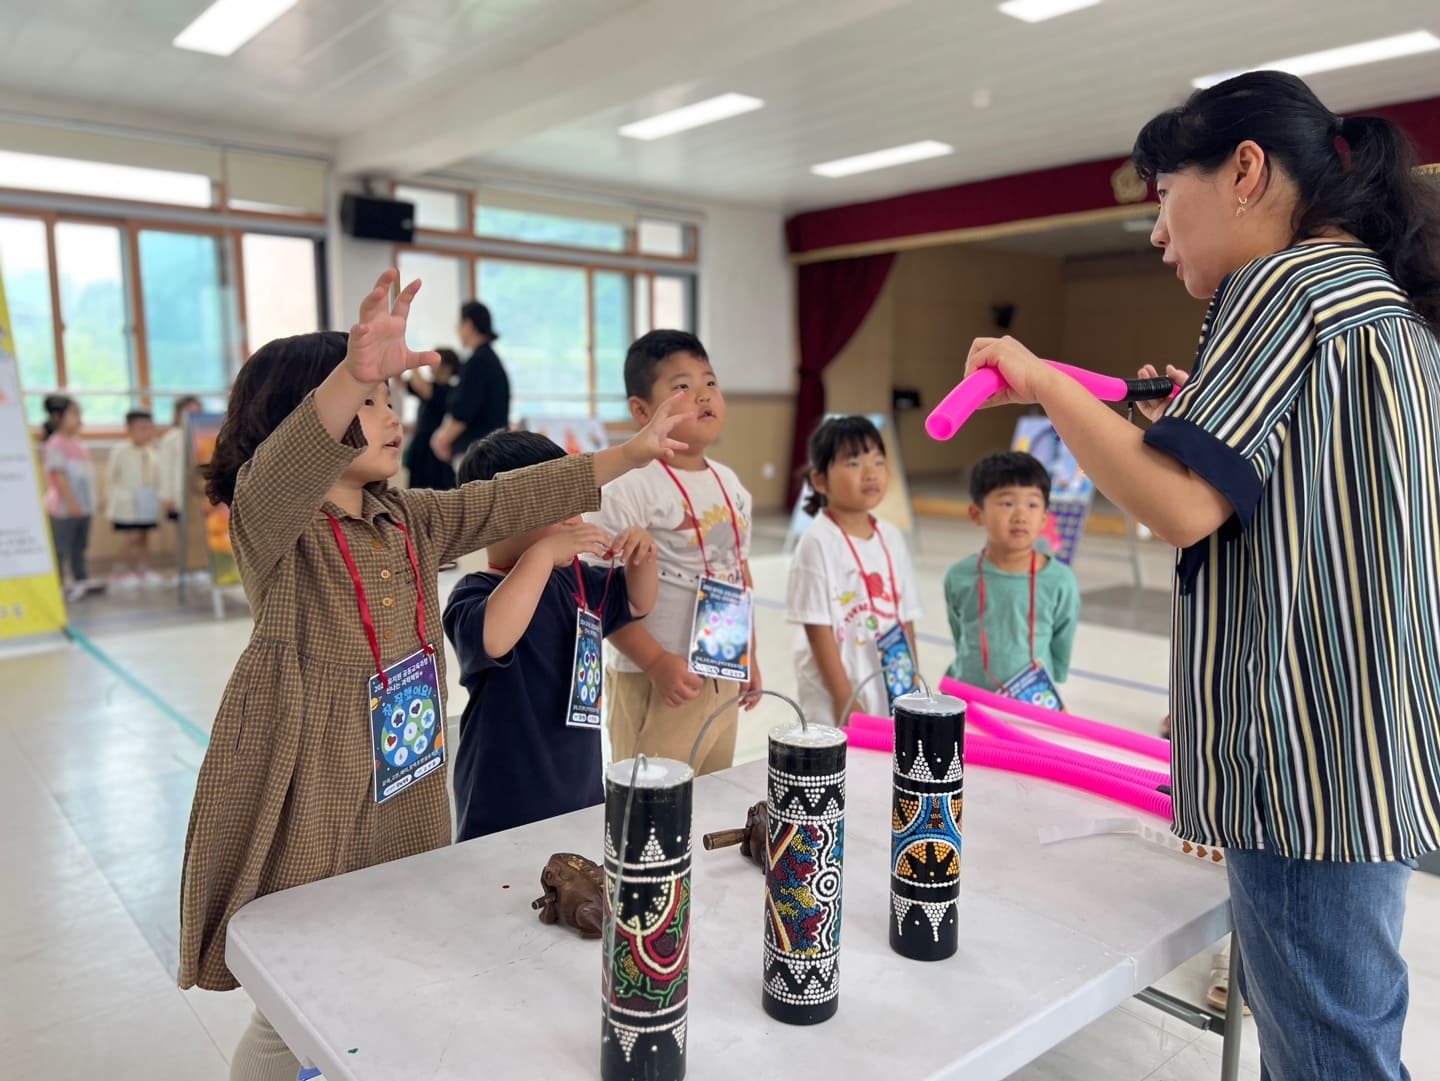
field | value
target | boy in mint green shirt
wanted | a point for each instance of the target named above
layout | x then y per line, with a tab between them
1012	610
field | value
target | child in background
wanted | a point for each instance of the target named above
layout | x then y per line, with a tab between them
290	790
530	733
69	494
171	458
851	587
132	495
1013	611
699	514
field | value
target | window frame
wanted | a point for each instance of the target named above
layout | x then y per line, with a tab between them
473	250
228	227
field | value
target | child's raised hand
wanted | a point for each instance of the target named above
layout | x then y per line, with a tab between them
377	349
653	441
578	539
633	546
1155	410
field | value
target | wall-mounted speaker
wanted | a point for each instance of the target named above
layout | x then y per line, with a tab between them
367	218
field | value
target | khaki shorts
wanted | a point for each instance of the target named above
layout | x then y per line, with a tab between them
641	723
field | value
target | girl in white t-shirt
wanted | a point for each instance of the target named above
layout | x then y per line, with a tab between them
852	586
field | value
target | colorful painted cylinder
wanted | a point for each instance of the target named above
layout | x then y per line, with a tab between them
803	867
925	819
645	977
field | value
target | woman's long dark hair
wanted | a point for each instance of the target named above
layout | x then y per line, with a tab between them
835	437
269	387
1355	174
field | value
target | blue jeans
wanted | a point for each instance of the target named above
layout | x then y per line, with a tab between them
1321	966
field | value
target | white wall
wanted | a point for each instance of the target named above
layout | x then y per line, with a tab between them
353	264
747	299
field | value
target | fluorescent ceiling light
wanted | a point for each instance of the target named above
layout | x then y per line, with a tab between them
882	159
228	24
691	116
1347	56
1037	11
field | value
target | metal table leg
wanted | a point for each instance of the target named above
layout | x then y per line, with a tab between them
1234	1014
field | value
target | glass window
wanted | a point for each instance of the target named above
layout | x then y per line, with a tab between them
435	314
434	209
613	309
548	229
94	310
25	264
37	172
672	303
186	335
540	313
658	237
282	287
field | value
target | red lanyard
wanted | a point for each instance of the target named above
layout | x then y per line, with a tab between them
365	606
579	595
984	645
580	585
699	534
889	565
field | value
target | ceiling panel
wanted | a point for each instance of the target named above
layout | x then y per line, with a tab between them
1009	96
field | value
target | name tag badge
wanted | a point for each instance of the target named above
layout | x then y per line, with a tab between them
1033	684
585	673
897	662
720	631
406	724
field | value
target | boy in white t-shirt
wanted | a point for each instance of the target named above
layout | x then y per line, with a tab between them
699	515
852	586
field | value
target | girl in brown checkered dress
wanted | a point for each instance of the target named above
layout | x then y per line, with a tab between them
340	572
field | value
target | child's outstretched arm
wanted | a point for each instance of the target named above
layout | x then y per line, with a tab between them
511	607
482	512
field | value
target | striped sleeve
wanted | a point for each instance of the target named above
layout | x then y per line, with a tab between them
1256	351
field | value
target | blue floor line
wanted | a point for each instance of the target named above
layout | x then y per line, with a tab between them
174	715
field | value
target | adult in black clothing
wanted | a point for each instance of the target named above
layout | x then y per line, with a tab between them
481	403
426	470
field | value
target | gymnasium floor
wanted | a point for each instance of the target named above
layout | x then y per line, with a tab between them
109	733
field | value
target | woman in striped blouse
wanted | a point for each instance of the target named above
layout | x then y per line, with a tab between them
1298	474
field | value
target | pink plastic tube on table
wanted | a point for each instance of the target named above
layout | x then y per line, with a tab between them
982	726
992	754
980	386
1126	740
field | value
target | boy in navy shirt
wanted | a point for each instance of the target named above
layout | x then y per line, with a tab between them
529	744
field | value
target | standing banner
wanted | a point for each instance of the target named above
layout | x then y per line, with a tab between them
204	429
1071	491
30	598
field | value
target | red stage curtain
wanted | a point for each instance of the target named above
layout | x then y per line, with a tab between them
832	300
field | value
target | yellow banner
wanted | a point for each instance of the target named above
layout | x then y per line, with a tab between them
30	598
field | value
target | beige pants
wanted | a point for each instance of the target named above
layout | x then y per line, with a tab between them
641	723
261	1055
